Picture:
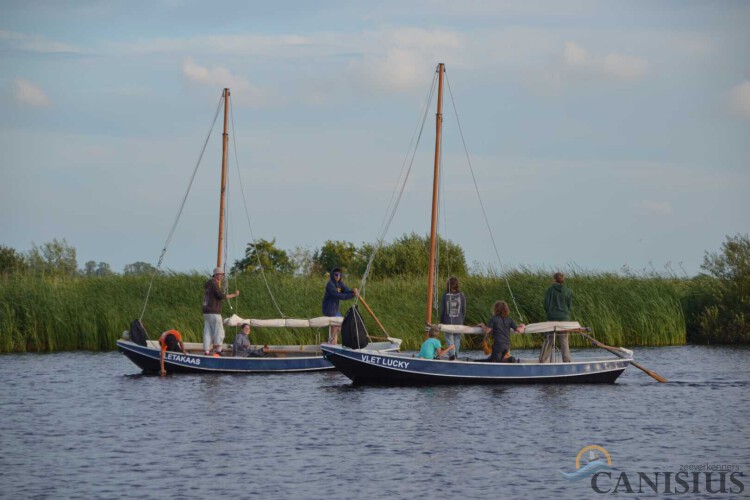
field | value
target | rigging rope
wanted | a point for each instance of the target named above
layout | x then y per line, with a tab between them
484	212
440	218
247	215
225	250
396	199
179	212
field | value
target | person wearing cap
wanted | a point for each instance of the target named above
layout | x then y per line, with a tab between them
213	328
336	291
171	340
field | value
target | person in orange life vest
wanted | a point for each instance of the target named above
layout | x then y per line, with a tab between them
171	340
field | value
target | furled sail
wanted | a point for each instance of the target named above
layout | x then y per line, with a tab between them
319	322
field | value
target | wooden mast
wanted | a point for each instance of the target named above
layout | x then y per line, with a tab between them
435	186
225	141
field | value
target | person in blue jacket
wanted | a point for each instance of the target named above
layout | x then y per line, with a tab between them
336	291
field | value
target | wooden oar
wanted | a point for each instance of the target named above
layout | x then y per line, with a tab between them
618	352
361	299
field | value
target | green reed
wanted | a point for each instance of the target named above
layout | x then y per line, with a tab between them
60	314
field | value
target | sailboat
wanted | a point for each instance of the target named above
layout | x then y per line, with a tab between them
383	368
145	353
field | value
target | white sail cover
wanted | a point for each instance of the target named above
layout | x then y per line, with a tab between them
463	329
552	326
546	326
320	322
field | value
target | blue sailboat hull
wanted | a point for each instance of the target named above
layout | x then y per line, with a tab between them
381	368
147	359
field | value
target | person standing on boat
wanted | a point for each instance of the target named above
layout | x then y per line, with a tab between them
558	302
171	340
500	326
336	291
213	328
431	348
452	312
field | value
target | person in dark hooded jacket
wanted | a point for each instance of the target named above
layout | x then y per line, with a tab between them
558	302
336	291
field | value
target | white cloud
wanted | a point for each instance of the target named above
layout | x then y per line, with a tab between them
575	55
218	76
739	99
30	94
625	67
33	43
621	66
657	207
395	59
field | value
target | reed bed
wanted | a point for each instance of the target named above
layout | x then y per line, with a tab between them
59	314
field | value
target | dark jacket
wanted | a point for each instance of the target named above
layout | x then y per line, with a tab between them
335	292
453	309
501	328
212	297
558	302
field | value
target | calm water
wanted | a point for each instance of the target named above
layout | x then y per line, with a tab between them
89	425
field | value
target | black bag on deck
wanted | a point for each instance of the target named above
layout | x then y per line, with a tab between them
353	331
138	333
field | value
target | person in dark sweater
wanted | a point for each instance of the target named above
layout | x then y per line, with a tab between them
213	328
500	326
453	312
558	302
336	291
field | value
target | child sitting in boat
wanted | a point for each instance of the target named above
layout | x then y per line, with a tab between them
242	346
431	348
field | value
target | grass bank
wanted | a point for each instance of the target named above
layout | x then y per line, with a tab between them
59	314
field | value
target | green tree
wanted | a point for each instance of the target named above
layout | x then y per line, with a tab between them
138	269
724	315
272	259
333	254
54	257
717	302
104	269
302	261
410	255
733	263
11	261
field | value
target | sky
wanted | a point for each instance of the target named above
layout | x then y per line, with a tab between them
602	135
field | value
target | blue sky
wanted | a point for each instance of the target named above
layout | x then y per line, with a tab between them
602	134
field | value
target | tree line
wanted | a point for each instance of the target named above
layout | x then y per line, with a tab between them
715	303
407	255
58	258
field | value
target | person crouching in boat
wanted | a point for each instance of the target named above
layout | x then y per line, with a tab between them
243	346
431	348
500	326
171	340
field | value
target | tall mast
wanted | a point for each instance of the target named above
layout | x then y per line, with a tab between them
435	185
225	141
